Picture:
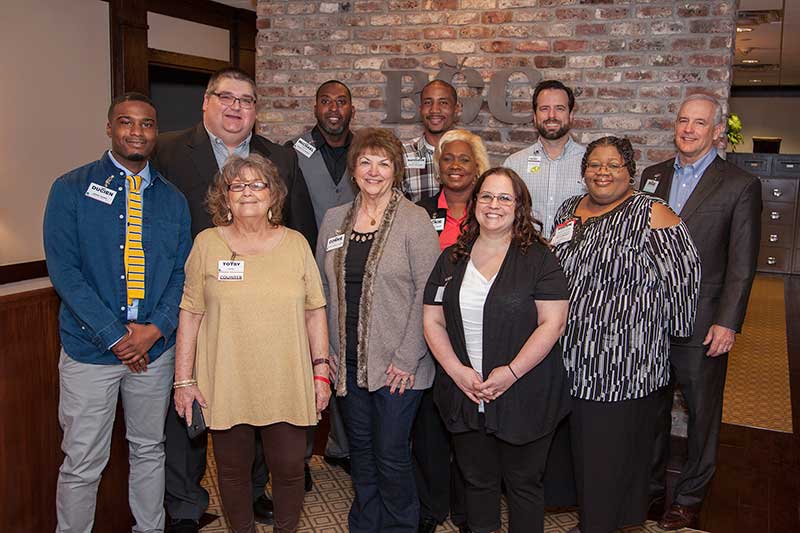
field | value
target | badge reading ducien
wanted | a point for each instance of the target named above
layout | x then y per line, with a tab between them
230	271
334	243
563	232
100	193
304	147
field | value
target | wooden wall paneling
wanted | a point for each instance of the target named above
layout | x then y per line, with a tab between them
30	440
128	46
185	61
23	271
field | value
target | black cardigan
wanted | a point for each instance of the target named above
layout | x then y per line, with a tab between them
533	405
431	205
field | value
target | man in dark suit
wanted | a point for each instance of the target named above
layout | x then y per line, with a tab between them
190	159
721	206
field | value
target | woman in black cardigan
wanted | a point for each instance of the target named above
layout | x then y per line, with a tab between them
495	307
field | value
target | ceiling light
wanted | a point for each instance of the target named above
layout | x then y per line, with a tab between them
749	61
742	29
754	81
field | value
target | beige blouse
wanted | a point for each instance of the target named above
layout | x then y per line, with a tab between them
253	362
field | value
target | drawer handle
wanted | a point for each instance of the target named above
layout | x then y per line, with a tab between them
771	261
773	237
754	164
777	193
774	215
789	165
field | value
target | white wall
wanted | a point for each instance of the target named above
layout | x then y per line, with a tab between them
186	37
768	117
55	91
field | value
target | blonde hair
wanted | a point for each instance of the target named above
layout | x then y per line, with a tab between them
474	141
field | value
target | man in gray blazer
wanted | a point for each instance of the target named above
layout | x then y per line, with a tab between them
721	206
322	156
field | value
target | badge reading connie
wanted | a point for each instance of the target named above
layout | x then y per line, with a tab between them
334	243
230	271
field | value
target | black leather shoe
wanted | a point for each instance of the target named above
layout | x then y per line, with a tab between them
655	509
341	462
427	525
184	525
308	482
263	510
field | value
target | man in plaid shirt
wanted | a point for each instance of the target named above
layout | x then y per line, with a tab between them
438	110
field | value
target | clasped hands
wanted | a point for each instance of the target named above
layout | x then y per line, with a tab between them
132	349
478	389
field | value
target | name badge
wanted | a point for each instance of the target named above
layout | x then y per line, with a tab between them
415	162
534	163
334	243
304	147
100	193
650	186
563	232
230	271
438	224
439	295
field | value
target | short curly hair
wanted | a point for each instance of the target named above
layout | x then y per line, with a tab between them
217	196
474	141
377	140
623	146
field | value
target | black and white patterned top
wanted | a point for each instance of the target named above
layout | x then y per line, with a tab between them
631	287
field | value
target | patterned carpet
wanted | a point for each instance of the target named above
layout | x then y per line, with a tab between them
757	387
327	505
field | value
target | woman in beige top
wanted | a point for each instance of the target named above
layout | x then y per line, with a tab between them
253	332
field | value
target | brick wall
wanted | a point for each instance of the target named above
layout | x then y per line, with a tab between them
630	61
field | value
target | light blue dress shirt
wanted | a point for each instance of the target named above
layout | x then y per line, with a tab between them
686	178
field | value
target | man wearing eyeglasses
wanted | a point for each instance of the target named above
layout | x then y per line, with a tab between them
190	159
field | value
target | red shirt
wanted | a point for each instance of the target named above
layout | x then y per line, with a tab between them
452	229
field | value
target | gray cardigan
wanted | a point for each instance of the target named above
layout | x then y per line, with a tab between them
402	256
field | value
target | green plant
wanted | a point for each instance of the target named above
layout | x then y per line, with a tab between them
734	131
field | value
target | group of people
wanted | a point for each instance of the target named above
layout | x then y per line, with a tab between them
470	329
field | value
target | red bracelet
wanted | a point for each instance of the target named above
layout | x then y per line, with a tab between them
322	379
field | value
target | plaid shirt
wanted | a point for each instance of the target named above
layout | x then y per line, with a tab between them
419	183
550	182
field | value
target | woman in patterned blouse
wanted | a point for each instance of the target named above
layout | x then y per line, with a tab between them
634	277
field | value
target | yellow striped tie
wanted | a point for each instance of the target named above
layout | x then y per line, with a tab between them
134	252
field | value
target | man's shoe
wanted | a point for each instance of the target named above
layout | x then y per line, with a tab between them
677	517
308	482
263	510
427	525
655	510
341	462
184	525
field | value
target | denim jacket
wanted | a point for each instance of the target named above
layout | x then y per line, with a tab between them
84	242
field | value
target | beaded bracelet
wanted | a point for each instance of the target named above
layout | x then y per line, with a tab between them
322	379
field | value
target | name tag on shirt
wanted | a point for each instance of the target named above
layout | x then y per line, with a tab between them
534	163
415	162
100	193
438	224
334	243
230	271
304	147
650	186
563	232
439	295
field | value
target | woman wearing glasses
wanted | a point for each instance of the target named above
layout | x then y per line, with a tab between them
495	307
252	331
634	277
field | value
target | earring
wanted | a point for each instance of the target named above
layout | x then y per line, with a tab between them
632	181
230	215
269	214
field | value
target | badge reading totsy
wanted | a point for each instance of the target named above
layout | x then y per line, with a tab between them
334	243
230	271
100	193
304	147
563	232
534	163
438	224
415	162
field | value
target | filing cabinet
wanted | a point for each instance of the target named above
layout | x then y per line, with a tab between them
780	236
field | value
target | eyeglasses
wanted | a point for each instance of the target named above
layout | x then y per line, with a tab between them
239	186
502	198
595	166
227	99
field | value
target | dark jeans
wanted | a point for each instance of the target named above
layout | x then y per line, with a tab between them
284	448
379	428
485	461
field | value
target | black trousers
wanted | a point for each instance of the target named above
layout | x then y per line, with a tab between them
185	466
702	382
485	462
440	483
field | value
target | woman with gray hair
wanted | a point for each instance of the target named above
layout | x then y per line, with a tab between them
252	345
